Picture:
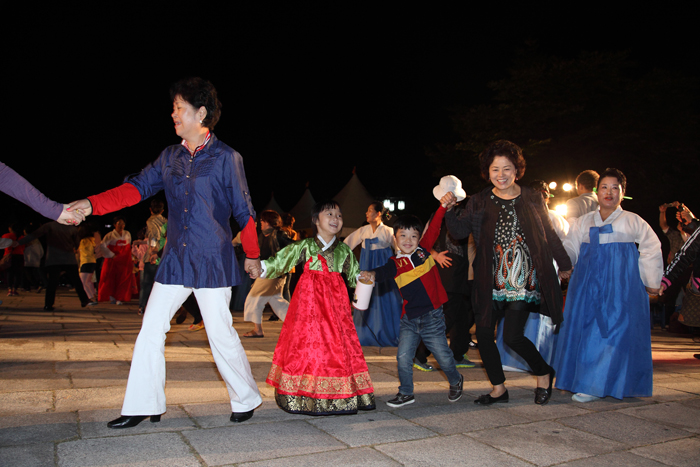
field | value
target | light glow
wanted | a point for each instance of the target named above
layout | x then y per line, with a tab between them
553	185
561	209
567	187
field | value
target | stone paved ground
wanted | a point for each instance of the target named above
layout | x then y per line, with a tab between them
63	374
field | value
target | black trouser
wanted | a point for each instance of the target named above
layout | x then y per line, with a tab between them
192	308
516	315
71	271
459	319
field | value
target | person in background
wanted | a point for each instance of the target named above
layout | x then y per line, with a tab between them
586	201
154	229
16	259
116	278
33	254
88	260
379	324
61	243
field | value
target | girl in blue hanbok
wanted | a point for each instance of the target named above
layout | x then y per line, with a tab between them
604	346
379	324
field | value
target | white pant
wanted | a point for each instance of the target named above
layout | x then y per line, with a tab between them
265	291
145	390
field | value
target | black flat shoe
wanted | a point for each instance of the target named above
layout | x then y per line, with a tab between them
127	421
543	395
486	399
238	417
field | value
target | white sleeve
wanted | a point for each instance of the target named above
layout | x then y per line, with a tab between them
354	238
572	241
651	263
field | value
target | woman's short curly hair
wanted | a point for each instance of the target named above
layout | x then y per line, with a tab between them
503	148
198	93
615	173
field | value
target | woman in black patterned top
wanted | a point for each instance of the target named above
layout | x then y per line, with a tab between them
513	270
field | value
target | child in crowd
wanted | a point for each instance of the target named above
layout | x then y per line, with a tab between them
416	274
318	367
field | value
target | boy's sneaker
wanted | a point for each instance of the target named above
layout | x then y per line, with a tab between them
422	366
464	363
456	390
401	399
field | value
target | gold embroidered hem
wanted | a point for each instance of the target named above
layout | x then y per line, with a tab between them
319	385
310	406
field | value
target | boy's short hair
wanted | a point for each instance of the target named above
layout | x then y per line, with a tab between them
408	222
157	206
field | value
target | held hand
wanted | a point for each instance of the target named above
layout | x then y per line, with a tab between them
70	217
367	275
448	201
651	291
442	258
663	208
252	267
662	288
82	205
563	275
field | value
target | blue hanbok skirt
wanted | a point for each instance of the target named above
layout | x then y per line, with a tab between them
540	330
379	324
604	344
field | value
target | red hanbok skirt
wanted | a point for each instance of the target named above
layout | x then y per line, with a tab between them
318	367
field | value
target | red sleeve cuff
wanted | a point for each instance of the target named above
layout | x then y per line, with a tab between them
115	199
249	239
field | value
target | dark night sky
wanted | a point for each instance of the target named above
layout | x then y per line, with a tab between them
307	95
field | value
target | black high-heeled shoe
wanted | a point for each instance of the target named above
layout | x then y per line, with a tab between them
127	421
543	395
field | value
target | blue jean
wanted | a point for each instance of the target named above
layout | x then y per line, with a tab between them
429	327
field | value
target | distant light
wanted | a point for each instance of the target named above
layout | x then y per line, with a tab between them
387	203
561	209
402	205
567	187
553	185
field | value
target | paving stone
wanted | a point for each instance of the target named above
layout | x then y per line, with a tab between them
555	409
20	381
615	459
358	457
448	450
250	442
217	415
546	443
37	428
370	428
460	417
669	413
93	423
35	455
70	400
18	403
680	453
152	450
684	384
624	428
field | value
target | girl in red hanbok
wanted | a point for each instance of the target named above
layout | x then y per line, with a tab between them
116	279
318	367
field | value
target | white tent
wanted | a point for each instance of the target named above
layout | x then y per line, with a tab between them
302	211
272	205
354	200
